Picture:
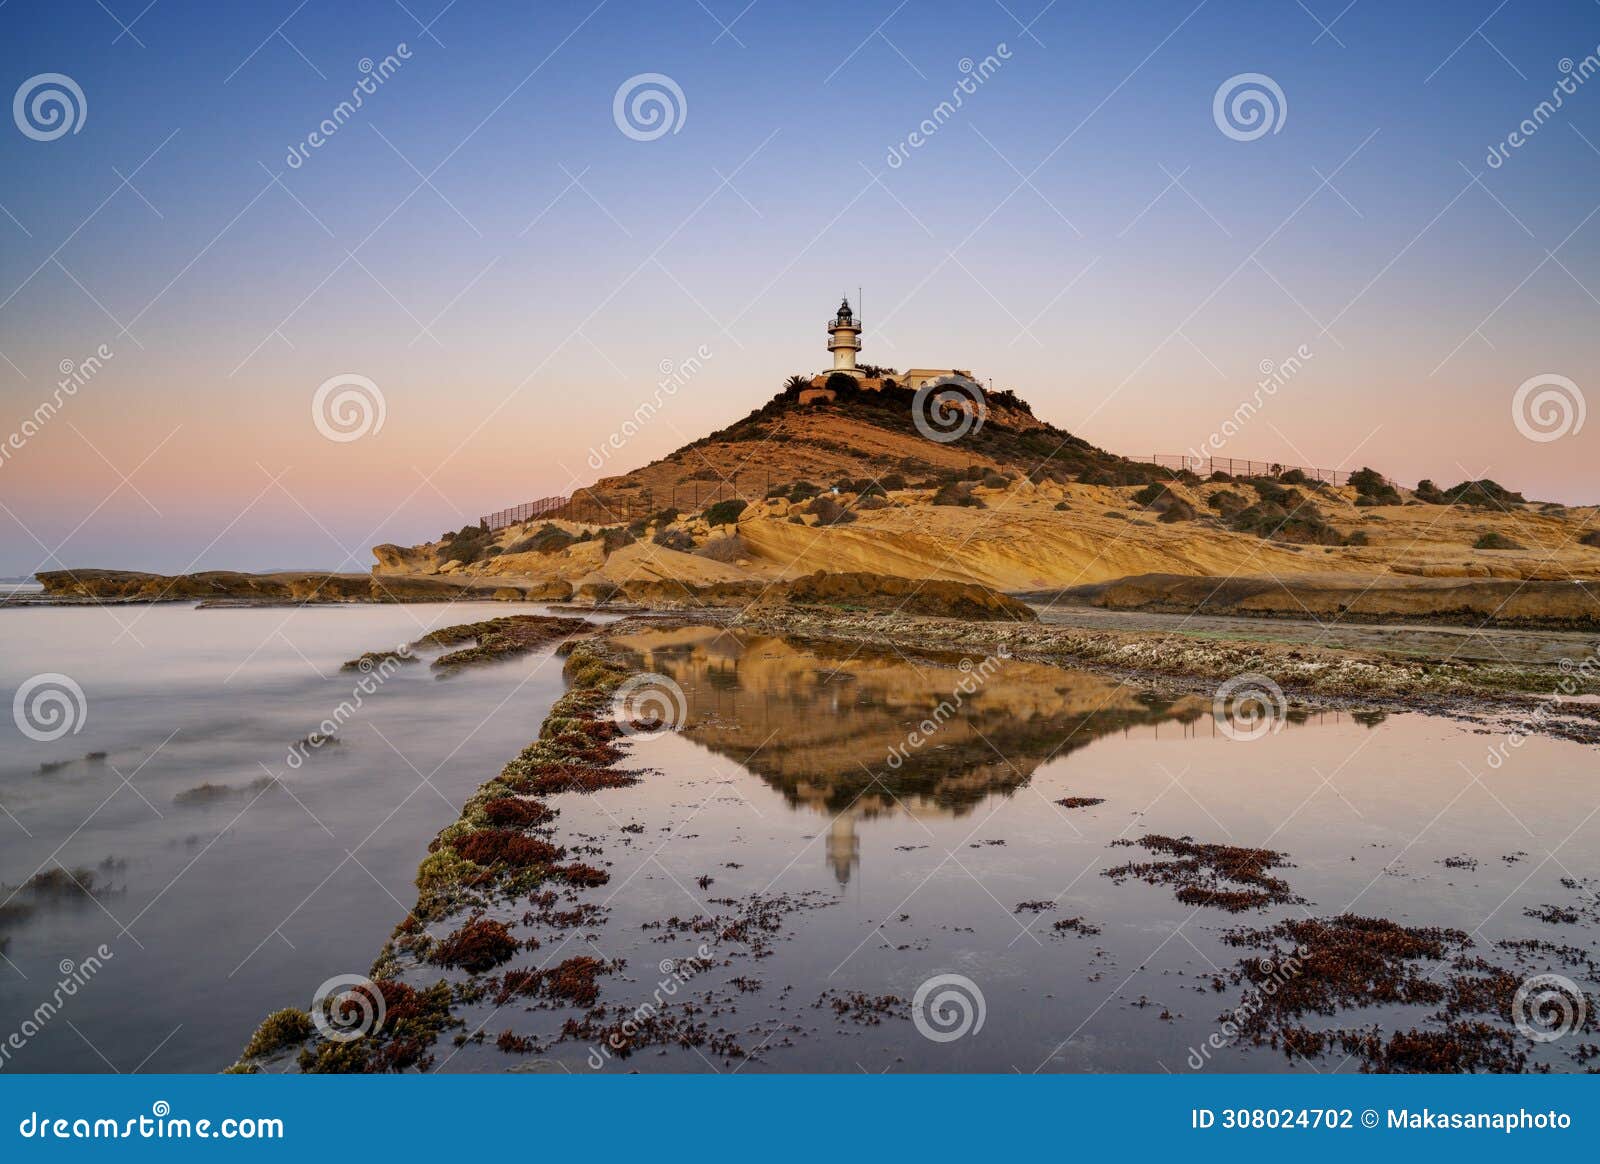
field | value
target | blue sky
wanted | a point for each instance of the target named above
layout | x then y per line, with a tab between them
1080	230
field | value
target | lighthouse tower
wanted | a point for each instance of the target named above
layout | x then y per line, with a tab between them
844	340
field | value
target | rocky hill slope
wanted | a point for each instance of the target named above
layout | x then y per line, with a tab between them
1018	505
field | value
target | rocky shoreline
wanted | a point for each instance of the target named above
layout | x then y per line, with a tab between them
452	957
1482	693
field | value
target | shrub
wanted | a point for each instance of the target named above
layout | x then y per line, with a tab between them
1358	538
956	493
674	538
830	512
466	545
1227	502
1496	541
659	518
995	481
1177	509
547	539
1063	505
803	491
1429	493
1301	523
1372	489
1150	494
1592	538
892	481
1293	477
728	548
1486	493
724	512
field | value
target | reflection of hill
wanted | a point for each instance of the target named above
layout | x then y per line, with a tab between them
821	722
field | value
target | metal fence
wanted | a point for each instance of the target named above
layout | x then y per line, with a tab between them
1233	467
524	512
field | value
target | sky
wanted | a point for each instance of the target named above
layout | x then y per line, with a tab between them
503	251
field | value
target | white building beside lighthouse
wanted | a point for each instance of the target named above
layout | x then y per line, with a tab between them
844	345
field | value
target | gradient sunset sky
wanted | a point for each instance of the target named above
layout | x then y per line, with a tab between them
484	243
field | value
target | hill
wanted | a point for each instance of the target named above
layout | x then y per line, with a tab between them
1019	505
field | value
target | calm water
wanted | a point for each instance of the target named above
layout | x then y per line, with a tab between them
221	904
779	786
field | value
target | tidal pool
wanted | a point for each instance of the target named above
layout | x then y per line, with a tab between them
796	867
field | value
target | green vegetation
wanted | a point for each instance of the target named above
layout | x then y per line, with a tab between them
282	1028
467	544
1372	489
724	512
547	539
1497	541
957	493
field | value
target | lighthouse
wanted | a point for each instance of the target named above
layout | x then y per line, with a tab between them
844	340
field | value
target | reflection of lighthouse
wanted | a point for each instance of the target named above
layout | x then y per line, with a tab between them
844	340
844	847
